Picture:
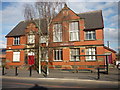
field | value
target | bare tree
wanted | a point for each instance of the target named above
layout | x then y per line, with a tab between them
46	11
29	12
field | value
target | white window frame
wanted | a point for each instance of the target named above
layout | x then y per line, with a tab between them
16	40
90	33
76	52
91	51
74	31
16	56
57	33
43	39
59	53
31	38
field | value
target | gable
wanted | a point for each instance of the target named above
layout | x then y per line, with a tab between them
19	29
65	14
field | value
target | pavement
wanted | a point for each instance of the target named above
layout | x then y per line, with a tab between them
65	75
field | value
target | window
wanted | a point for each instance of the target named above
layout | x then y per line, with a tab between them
16	40
90	51
74	32
43	39
58	55
57	33
75	51
16	56
31	38
90	35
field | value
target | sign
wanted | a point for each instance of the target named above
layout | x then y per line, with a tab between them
66	44
31	60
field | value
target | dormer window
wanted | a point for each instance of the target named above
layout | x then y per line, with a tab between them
31	39
16	40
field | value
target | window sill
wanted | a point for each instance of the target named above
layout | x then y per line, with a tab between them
90	40
57	41
75	61
57	60
15	61
30	43
16	45
75	41
90	60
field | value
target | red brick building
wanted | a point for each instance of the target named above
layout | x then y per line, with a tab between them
69	34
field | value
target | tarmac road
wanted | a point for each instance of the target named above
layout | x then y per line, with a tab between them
47	83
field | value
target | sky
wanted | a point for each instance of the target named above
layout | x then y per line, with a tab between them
11	13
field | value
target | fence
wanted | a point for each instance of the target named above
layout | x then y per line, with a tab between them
75	66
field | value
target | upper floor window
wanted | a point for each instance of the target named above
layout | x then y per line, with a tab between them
58	55
74	31
31	39
57	33
90	51
43	39
75	51
90	35
16	40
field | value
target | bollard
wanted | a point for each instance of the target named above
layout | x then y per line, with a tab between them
30	71
3	70
16	71
98	73
107	64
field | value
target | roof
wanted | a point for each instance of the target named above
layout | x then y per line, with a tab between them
19	30
93	20
110	49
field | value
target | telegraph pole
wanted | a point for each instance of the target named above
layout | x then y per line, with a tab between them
108	44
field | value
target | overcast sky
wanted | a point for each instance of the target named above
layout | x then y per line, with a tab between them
11	13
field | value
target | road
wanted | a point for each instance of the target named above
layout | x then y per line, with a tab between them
17	82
